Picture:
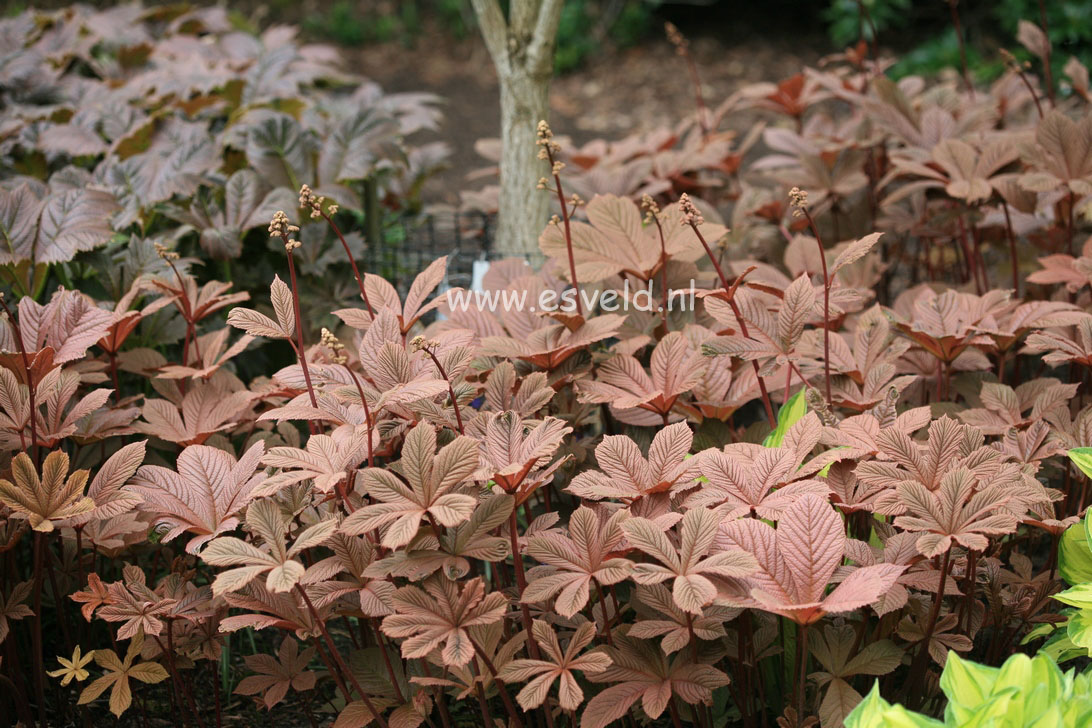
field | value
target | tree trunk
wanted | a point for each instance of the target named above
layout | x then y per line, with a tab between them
522	49
523	207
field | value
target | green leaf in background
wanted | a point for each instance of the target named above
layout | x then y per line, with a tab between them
1079	629
1077	596
1060	648
1082	458
789	414
1075	555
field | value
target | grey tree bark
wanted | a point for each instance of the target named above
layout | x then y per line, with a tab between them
522	49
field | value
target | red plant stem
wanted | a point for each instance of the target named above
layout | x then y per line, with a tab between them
568	231
438	695
968	254
802	682
826	303
521	582
712	258
614	600
755	701
216	691
761	381
483	704
917	667
693	637
367	414
17	698
143	708
977	231
1069	226
186	309
1084	494
386	660
435	528
334	672
309	709
962	47
178	676
1030	88
450	389
352	262
505	697
58	598
803	379
940	380
699	99
1052	562
1048	74
186	344
739	320
337	658
348	625
862	627
674	709
1012	252
36	636
180	686
301	352
867	17
603	606
79	568
663	269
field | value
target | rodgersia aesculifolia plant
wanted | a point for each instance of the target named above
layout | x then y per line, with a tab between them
842	469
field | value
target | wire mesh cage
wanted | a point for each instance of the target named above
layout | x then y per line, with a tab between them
410	245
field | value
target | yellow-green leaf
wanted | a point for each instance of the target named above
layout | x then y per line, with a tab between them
789	414
1082	458
1074	554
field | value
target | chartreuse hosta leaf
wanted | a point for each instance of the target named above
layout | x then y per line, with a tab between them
788	416
969	682
1025	691
1075	566
1082	458
1077	596
875	712
1079	629
790	413
1060	648
1075	554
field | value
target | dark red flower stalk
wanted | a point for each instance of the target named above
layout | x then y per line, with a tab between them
693	218
308	200
800	202
549	149
280	227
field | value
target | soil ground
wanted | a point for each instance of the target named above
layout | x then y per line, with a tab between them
617	92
